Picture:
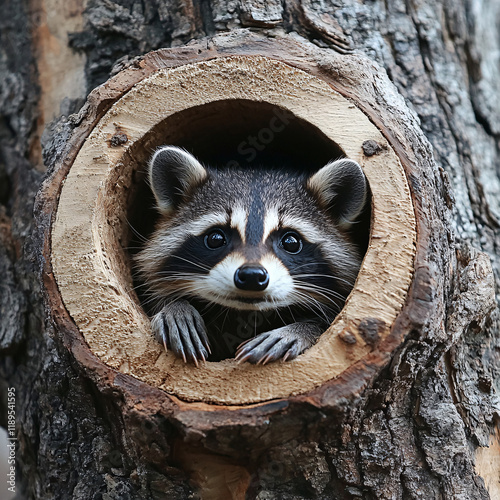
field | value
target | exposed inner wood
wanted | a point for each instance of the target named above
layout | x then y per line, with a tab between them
216	476
60	69
93	271
488	464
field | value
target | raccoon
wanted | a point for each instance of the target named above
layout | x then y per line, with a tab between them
249	263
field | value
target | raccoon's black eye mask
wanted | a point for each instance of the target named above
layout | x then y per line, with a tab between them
215	238
198	254
290	241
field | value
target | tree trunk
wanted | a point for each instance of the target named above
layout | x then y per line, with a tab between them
417	417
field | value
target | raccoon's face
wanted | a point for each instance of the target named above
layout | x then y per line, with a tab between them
253	239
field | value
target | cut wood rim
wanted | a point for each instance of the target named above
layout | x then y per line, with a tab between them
93	271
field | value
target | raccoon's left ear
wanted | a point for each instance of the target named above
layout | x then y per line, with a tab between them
173	174
341	188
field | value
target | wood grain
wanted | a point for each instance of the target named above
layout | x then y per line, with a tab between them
93	274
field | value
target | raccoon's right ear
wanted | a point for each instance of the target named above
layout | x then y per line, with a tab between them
173	173
341	188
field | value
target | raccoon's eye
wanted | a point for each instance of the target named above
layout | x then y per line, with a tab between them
291	242
215	239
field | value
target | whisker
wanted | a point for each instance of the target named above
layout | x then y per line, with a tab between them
314	306
137	233
197	264
336	278
311	303
225	319
324	292
278	312
291	314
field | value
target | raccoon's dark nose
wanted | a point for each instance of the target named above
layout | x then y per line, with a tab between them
253	278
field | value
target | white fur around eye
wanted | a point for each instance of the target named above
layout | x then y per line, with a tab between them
305	228
271	222
239	218
166	242
203	224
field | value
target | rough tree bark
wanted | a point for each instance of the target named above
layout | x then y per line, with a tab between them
421	429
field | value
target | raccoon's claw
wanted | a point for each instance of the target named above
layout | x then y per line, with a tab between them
181	329
284	343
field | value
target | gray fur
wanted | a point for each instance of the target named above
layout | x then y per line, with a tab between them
284	343
173	172
209	198
341	178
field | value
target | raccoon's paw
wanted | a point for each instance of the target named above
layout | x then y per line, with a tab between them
284	343
180	328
